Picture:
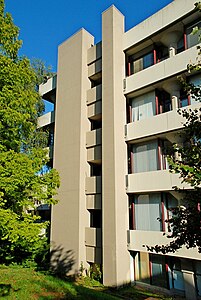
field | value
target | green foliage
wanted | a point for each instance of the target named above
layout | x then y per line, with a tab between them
95	272
42	72
20	237
22	154
9	43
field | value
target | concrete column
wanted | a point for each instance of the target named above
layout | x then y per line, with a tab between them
173	88
70	216
116	269
189	282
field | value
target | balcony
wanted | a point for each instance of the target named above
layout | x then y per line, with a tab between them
94	53
93	237
153	181
95	69
163	123
94	110
94	154
94	255
94	201
169	67
94	138
94	94
48	89
46	119
137	241
93	185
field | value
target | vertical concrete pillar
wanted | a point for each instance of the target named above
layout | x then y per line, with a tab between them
175	102
171	39
189	282
114	199
69	216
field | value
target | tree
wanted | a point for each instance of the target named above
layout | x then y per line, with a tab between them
22	153
185	223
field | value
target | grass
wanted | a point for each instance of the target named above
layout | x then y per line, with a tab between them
23	283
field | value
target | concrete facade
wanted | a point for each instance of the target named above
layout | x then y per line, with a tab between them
115	112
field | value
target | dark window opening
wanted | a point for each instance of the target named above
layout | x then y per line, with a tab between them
96	170
184	99
95	218
95	82
158	270
164	101
162	53
96	124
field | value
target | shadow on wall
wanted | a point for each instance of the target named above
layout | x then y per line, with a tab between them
61	261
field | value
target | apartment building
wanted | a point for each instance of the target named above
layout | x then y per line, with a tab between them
115	110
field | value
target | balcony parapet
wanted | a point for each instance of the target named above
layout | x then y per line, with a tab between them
154	181
46	119
159	124
137	241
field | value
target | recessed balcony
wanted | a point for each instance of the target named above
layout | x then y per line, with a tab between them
48	89
94	154
93	185
94	53
46	119
95	69
93	237
94	138
156	125
94	94
167	68
94	110
94	255
94	201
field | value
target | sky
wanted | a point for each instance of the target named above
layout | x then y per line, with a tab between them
44	24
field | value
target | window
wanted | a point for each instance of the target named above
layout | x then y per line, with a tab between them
192	39
95	82
158	270
148	212
95	218
143	107
175	274
198	276
141	63
162	53
164	101
96	124
143	267
145	157
96	170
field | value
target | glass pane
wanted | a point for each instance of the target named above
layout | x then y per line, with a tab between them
144	272
138	65
158	271
148	60
198	279
143	107
145	157
147	212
